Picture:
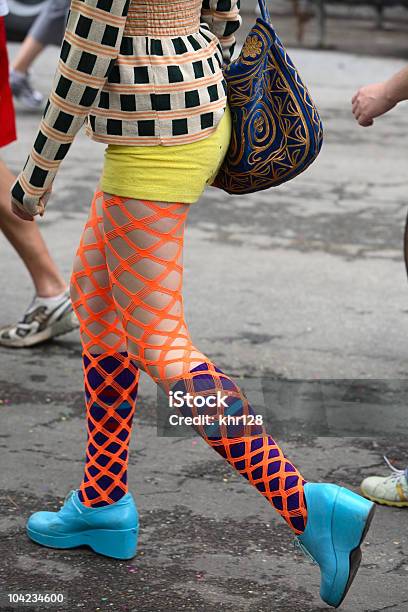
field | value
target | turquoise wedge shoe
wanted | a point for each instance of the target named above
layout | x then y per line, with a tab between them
337	523
110	530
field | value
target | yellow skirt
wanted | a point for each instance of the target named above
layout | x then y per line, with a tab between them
177	173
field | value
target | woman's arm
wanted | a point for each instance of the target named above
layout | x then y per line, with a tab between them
223	19
89	49
374	100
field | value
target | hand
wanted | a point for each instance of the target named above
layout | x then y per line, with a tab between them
44	201
21	211
370	102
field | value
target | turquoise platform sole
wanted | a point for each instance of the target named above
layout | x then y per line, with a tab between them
111	531
338	521
118	544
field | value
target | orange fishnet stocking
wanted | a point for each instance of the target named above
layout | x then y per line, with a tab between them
144	247
111	378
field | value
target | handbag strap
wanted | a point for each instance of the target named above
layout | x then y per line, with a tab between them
264	10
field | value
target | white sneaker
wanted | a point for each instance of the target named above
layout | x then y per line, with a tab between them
45	318
390	491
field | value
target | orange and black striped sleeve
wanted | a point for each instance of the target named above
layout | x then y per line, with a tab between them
90	47
223	19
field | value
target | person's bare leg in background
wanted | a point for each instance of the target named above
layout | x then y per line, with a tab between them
50	313
30	49
28	242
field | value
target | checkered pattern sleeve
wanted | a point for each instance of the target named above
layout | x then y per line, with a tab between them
223	19
89	49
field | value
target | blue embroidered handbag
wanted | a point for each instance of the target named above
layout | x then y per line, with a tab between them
277	132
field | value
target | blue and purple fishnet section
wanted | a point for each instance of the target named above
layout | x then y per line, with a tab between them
246	446
111	383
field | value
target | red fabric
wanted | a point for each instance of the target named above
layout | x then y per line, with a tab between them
7	116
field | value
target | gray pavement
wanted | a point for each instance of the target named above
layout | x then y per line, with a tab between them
303	282
348	27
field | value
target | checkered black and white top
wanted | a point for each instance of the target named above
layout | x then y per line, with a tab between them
137	72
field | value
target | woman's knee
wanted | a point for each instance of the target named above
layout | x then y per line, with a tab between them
163	356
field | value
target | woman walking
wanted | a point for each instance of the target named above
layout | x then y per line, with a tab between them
147	78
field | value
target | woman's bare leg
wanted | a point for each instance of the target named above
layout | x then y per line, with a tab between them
29	50
26	238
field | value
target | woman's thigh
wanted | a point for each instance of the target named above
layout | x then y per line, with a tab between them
91	294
